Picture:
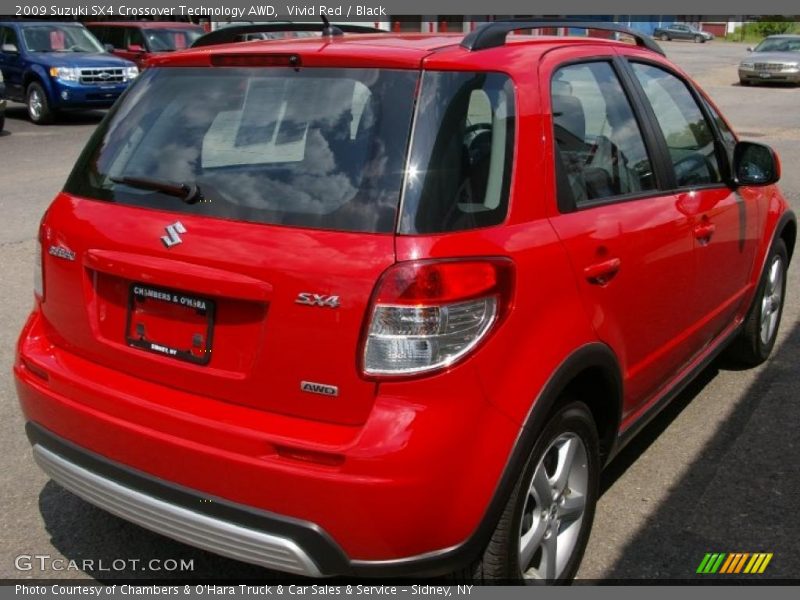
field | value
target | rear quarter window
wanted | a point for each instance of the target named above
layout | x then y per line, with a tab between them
459	168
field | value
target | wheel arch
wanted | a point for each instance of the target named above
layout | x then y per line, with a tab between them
579	373
787	231
36	74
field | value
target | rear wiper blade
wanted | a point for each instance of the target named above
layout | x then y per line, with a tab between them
188	192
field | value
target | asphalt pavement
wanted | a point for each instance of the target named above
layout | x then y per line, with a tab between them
716	472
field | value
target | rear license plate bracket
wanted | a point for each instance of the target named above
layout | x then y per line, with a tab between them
170	323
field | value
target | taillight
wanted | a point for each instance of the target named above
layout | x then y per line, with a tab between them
427	315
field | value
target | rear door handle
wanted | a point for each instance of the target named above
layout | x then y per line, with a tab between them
603	272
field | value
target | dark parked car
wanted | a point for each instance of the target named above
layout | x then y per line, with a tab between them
775	59
682	31
59	66
139	40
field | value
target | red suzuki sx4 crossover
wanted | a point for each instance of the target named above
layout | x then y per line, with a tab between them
385	304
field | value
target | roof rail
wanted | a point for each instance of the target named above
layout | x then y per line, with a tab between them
233	33
493	33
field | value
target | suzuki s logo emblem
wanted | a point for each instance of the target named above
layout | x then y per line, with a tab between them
173	238
317	300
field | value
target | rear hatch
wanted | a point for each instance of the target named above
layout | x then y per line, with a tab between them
224	229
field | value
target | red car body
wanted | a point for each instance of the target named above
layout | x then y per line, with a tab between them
394	474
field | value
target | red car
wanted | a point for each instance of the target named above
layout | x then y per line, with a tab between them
140	40
385	304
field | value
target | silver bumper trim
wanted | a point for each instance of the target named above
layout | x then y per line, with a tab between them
196	529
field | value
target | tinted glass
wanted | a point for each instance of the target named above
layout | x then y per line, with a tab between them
319	148
59	38
8	36
779	45
459	170
135	38
599	144
688	135
115	36
167	40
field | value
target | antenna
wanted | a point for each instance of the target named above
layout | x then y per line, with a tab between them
329	30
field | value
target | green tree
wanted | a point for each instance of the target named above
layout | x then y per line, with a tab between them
773	25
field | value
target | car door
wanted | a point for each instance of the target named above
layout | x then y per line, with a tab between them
682	32
12	62
630	246
724	223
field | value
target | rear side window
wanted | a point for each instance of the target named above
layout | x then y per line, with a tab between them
320	148
688	135
459	170
600	152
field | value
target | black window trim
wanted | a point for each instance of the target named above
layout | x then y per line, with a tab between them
650	137
699	99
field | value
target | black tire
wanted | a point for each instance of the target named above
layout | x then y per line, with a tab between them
749	349
699	39
39	110
664	37
2	122
501	558
744	82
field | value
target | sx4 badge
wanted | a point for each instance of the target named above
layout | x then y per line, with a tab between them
309	299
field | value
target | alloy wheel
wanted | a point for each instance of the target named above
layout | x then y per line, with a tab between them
554	509
771	301
35	104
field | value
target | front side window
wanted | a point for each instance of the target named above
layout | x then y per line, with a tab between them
459	170
600	152
59	38
320	148
689	137
8	36
135	38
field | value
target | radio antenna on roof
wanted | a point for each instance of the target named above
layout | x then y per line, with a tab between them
329	30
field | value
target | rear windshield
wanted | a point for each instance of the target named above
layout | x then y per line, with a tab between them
318	148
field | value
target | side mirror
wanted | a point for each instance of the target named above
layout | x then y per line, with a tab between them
749	48
135	48
755	164
109	47
10	48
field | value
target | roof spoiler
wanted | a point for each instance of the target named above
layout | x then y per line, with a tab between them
493	34
233	33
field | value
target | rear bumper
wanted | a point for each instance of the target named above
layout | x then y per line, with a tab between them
224	528
412	488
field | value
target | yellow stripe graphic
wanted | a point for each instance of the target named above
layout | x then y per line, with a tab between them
751	563
765	563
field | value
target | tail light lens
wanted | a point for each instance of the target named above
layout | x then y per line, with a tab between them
427	315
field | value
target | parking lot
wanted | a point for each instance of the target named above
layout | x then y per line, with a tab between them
716	472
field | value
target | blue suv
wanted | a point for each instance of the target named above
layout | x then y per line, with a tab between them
59	66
